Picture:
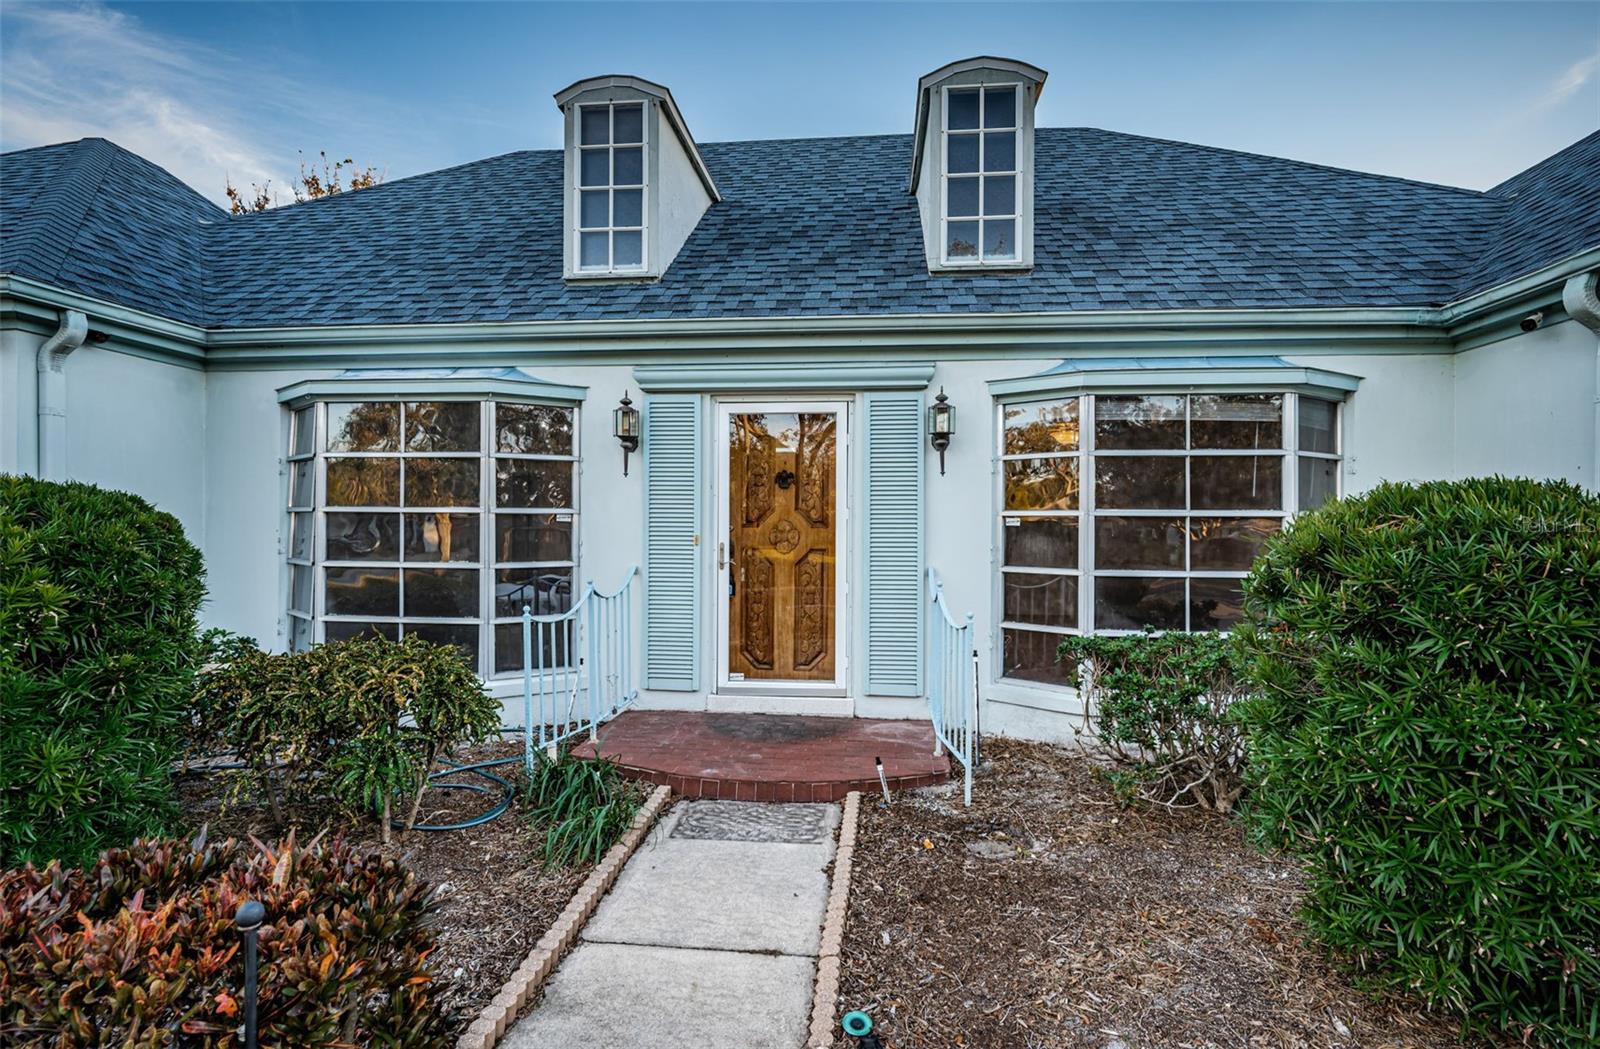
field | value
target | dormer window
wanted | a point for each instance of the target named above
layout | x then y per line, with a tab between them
635	182
981	166
611	188
972	164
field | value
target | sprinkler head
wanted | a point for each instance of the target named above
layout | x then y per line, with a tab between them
858	1024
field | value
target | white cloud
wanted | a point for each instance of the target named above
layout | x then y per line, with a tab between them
89	71
1571	81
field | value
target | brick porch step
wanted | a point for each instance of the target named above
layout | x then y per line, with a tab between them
769	757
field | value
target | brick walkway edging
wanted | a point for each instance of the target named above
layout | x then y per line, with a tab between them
500	1013
825	997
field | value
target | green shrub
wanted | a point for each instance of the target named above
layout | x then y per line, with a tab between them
583	806
140	949
1427	735
206	724
360	722
99	593
1159	707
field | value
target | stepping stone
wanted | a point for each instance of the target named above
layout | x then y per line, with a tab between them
733	895
708	938
611	994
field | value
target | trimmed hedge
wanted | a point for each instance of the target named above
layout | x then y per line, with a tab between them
1427	736
140	949
99	593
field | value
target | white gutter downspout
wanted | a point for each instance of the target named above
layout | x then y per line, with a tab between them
1582	302
53	393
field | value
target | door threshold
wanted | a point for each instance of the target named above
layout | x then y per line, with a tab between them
805	706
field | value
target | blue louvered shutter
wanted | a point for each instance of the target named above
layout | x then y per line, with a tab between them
894	543
673	487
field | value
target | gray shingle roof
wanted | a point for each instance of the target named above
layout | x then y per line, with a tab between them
807	227
1550	212
91	217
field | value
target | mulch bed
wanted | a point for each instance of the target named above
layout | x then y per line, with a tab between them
496	897
1049	915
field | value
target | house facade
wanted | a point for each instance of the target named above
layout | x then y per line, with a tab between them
1076	376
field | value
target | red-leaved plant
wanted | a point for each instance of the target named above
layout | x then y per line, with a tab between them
140	949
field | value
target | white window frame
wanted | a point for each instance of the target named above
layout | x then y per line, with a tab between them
1336	456
981	176
487	565
1088	512
301	566
611	187
492	563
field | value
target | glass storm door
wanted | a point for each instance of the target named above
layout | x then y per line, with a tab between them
780	558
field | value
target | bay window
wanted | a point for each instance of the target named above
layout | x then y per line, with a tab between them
1122	512
433	518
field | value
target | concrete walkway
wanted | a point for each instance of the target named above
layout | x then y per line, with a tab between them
708	938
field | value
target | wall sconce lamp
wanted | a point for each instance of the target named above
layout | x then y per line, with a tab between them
625	425
941	425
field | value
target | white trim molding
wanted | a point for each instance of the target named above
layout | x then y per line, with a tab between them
434	384
1177	374
735	378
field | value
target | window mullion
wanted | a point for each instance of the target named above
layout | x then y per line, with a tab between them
1291	442
486	532
983	207
319	541
1086	507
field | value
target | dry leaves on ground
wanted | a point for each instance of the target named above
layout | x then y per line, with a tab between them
1047	915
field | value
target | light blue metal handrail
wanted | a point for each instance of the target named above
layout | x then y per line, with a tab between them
953	685
577	666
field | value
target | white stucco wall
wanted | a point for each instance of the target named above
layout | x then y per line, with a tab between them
1526	406
680	198
245	500
1398	424
139	424
132	423
1399	427
18	435
210	447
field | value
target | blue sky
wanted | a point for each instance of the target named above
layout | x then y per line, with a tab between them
1465	94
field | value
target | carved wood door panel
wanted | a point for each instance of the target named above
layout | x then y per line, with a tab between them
783	536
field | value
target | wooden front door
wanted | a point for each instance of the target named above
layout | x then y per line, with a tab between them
782	546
